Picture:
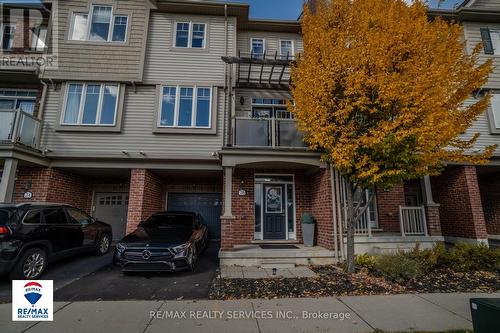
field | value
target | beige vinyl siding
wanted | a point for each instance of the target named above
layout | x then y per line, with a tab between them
486	4
245	110
482	126
136	133
87	60
271	41
473	37
165	63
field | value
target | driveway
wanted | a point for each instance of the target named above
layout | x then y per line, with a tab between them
63	272
110	284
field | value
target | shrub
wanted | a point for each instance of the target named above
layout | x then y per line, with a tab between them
366	260
398	267
472	257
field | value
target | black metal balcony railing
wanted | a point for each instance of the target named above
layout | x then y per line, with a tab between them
17	126
267	132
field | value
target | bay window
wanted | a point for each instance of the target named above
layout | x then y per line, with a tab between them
99	25
90	104
185	107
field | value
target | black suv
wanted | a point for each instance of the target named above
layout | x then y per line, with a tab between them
32	235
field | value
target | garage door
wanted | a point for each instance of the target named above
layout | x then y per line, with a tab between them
208	205
112	208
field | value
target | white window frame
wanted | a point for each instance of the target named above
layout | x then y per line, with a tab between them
495	111
495	42
190	35
293	47
82	104
177	106
16	98
263	44
2	30
90	14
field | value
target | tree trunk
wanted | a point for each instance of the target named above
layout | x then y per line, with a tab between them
351	221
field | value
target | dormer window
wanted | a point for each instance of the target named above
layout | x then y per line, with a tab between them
101	26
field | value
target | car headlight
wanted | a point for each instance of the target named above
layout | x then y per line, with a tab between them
180	248
120	247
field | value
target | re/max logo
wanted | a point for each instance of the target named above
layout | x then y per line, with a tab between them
32	311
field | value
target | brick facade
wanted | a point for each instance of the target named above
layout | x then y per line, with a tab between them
461	211
388	203
146	197
312	194
53	185
489	185
321	207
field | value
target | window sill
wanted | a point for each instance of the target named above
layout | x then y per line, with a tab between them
93	42
81	128
185	130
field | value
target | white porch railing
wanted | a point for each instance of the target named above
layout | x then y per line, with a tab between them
412	221
17	126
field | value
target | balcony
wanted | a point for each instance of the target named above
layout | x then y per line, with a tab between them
19	127
267	132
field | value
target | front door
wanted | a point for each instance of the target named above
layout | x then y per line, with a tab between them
274	212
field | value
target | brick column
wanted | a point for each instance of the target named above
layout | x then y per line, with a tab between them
388	202
461	211
433	222
489	184
321	206
145	197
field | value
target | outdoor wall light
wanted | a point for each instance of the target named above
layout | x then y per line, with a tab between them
242	100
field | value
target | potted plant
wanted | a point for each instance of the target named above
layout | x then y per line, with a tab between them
307	221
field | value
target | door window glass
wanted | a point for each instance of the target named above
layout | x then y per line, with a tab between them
78	217
274	199
33	217
54	216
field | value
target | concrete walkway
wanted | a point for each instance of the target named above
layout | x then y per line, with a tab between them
234	272
423	312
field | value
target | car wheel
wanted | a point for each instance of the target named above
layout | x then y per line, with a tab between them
31	265
103	245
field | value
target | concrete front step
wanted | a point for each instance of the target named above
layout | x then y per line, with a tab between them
253	255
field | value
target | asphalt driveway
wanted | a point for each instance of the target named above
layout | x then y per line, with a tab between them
110	284
63	272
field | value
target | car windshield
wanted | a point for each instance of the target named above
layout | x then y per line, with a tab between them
169	221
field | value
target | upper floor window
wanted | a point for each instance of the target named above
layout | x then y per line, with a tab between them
491	41
24	100
257	47
183	106
90	104
286	49
495	108
38	38
270	108
100	25
7	32
190	35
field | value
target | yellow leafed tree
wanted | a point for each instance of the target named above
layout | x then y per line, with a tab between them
380	89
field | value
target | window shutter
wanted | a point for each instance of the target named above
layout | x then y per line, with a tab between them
487	44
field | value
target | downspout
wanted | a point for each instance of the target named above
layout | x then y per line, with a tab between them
225	129
334	213
41	110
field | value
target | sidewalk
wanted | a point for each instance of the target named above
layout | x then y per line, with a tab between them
423	312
